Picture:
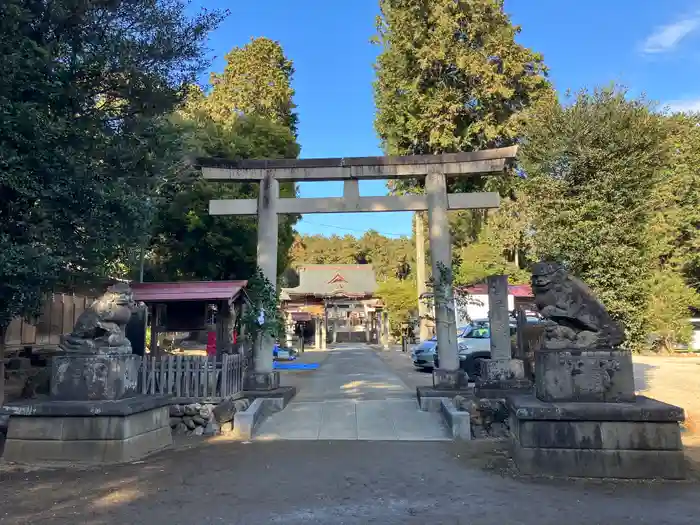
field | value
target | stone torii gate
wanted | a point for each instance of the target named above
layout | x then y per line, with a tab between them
436	201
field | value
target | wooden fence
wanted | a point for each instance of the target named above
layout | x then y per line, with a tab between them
192	376
58	316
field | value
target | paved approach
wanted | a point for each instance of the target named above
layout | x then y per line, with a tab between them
354	395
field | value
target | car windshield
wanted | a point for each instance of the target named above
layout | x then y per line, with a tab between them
478	330
481	332
461	332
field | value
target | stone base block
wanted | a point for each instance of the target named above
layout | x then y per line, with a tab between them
450	379
621	464
430	399
605	376
245	423
618	440
286	393
88	452
94	378
502	389
88	433
262	381
500	378
459	422
502	369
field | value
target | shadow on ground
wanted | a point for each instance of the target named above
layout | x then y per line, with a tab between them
220	481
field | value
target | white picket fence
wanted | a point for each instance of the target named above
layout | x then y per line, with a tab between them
192	376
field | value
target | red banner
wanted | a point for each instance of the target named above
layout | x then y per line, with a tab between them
211	343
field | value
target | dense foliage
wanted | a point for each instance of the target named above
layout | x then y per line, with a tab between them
190	244
83	91
451	77
400	298
242	116
256	81
391	258
607	186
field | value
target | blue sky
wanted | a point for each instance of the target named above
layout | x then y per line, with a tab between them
650	46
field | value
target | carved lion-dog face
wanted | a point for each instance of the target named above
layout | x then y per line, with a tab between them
543	275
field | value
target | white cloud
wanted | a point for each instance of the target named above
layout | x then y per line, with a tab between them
666	38
684	106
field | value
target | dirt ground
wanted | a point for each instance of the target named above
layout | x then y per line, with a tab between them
341	482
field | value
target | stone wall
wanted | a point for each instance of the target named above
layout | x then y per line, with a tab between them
198	419
488	417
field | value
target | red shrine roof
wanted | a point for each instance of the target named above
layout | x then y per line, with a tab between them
187	291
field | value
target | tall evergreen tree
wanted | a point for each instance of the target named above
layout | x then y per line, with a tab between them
451	77
257	80
248	112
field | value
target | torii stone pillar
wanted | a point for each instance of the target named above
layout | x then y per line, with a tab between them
449	375
263	376
317	333
435	168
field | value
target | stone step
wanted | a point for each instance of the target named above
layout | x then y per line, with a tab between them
369	420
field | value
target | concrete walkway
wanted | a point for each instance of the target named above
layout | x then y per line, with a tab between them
353	395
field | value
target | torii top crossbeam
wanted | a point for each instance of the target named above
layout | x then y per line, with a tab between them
351	170
360	168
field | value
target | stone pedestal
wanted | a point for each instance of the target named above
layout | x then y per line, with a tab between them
585	421
95	415
262	381
449	379
598	440
87	432
102	377
597	376
500	378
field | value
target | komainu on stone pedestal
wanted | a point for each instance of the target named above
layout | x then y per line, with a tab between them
574	318
101	328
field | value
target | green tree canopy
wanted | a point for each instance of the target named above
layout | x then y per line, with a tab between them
189	243
451	77
256	81
248	113
84	85
390	258
400	298
594	170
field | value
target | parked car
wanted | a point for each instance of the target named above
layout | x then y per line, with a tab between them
475	345
423	354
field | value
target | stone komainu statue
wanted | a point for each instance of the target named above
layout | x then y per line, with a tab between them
575	319
101	328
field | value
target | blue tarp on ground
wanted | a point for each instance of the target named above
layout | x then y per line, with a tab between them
295	366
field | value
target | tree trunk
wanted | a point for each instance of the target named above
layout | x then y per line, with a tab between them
3	331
